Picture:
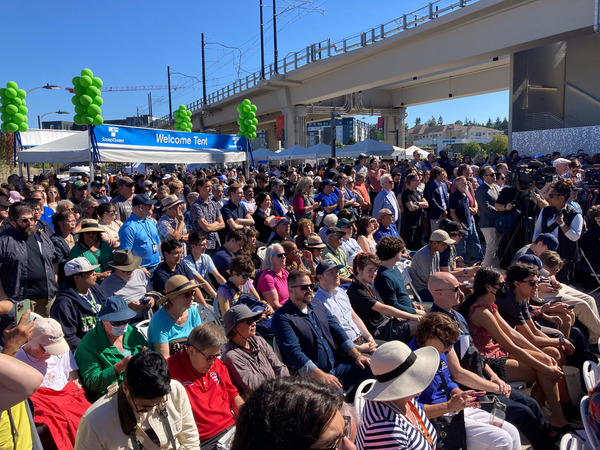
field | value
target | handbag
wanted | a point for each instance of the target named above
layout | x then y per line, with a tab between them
450	428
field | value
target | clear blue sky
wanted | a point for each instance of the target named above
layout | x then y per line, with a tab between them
131	43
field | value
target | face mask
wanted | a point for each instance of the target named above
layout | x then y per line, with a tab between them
119	331
502	292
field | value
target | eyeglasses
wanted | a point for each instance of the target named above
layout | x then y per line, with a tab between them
280	255
338	443
52	192
110	212
119	323
455	289
148	408
250	321
209	358
531	283
502	178
305	287
445	343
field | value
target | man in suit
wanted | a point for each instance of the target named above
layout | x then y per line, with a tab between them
386	199
489	210
436	194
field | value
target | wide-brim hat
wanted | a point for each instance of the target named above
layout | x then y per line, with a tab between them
124	260
115	309
236	314
177	284
314	241
400	372
170	200
89	225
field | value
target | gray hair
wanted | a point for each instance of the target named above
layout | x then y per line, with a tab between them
272	249
359	176
63	205
88	202
208	334
330	220
385	177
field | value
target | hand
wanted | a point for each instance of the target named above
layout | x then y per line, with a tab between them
16	337
418	307
307	255
569	347
553	373
362	360
121	365
536	196
146	271
461	400
180	215
545	287
267	312
559	218
556	285
372	344
149	304
325	378
503	388
554	319
509	206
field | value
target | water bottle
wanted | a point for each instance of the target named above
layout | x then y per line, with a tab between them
498	414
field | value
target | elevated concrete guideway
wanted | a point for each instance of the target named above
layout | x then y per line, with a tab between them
466	52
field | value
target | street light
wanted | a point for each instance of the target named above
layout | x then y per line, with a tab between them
51	112
48	86
333	116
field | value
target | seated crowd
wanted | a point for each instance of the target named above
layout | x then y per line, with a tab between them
207	309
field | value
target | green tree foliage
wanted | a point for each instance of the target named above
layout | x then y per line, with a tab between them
458	122
417	121
440	120
431	122
489	123
498	144
351	141
472	148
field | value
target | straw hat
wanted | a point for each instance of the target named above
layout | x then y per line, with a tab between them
177	284
400	372
88	225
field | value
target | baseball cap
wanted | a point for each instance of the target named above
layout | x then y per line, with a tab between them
450	226
328	182
344	223
278	182
318	179
95	183
334	230
277	220
441	236
79	265
549	240
221	178
142	199
326	265
49	334
79	185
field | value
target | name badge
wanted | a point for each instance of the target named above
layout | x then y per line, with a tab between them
154	247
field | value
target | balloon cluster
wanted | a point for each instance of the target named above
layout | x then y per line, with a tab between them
87	99
183	121
13	110
247	120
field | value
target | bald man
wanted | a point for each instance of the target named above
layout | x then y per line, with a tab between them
471	372
386	225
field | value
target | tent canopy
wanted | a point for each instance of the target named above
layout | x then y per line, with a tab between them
263	155
407	153
369	147
321	151
132	144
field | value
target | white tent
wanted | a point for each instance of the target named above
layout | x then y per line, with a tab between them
130	144
369	147
407	153
33	137
263	155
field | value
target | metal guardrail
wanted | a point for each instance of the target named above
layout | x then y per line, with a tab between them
326	49
548	121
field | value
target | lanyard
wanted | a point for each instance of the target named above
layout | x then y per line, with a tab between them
93	303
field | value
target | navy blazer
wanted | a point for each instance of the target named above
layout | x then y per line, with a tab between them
486	199
434	197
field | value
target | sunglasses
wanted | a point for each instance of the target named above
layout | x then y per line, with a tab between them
305	287
531	283
244	276
455	289
250	321
280	255
445	343
119	323
52	192
346	434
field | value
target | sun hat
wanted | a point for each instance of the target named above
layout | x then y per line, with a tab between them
170	200
79	265
326	265
400	372
441	236
177	284
142	199
115	309
49	334
314	241
236	314
558	161
4	202
125	261
89	225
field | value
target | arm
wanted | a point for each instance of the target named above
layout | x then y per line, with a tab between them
162	348
223	304
18	381
272	298
188	436
94	377
235	404
467	378
205	285
247	221
370	344
535	336
395	313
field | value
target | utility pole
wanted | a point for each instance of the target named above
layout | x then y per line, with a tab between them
203	74
169	83
262	43
150	105
275	39
333	132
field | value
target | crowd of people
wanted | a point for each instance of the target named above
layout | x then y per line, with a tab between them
232	310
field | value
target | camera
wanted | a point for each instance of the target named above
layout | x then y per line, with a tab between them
530	174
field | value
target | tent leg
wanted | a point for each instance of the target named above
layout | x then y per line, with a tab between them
28	172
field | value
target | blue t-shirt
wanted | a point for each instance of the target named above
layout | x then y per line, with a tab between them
141	237
329	200
434	393
390	286
203	265
162	274
163	330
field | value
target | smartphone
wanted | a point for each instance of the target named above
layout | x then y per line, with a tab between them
485	399
551	300
145	301
571	306
21	308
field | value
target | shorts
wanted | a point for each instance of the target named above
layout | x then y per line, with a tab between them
498	365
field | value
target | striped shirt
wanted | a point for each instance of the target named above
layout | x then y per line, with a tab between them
384	428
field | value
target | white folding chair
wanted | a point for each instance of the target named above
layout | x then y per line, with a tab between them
143	327
592	440
572	442
359	401
591	374
404	268
595	275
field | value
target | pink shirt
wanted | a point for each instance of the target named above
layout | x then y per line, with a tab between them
269	281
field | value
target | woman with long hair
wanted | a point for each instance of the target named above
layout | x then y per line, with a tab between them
306	227
509	354
366	226
303	200
52	197
263	216
107	220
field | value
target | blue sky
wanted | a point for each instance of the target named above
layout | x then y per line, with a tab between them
131	43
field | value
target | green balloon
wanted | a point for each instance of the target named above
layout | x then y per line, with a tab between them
85	100
85	81
251	115
246	102
12	85
87	72
94	110
254	121
181	107
17	101
25	119
5	117
23	127
11	109
92	91
98	101
80	109
253	107
23	109
253	136
75	100
77	119
2	90
247	122
246	109
4	101
243	128
239	107
10	92
188	112
97	82
177	120
252	129
11	127
75	81
79	90
87	119
3	127
2	109
17	118
21	93
98	120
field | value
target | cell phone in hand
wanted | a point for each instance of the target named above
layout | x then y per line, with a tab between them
145	301
485	399
571	307
20	309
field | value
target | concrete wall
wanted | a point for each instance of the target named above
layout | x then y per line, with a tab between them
583	72
564	140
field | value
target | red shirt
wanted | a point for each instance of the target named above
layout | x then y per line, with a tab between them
211	395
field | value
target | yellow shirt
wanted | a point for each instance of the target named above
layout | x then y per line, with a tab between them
22	426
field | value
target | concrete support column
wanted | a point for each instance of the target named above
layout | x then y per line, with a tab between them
274	144
295	125
393	129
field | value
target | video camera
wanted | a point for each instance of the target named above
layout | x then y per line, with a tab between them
592	176
530	174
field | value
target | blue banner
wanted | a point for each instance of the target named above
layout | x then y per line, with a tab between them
150	137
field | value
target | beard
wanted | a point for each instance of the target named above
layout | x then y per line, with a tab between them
27	231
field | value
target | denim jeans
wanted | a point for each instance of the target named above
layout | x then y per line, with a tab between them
469	246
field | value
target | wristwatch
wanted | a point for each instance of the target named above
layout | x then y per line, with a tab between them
562	224
465	271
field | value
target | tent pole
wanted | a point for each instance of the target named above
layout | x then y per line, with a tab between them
28	172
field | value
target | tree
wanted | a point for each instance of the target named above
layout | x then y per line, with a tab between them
498	145
489	123
338	144
471	148
351	141
458	122
417	121
440	121
431	122
504	124
498	124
